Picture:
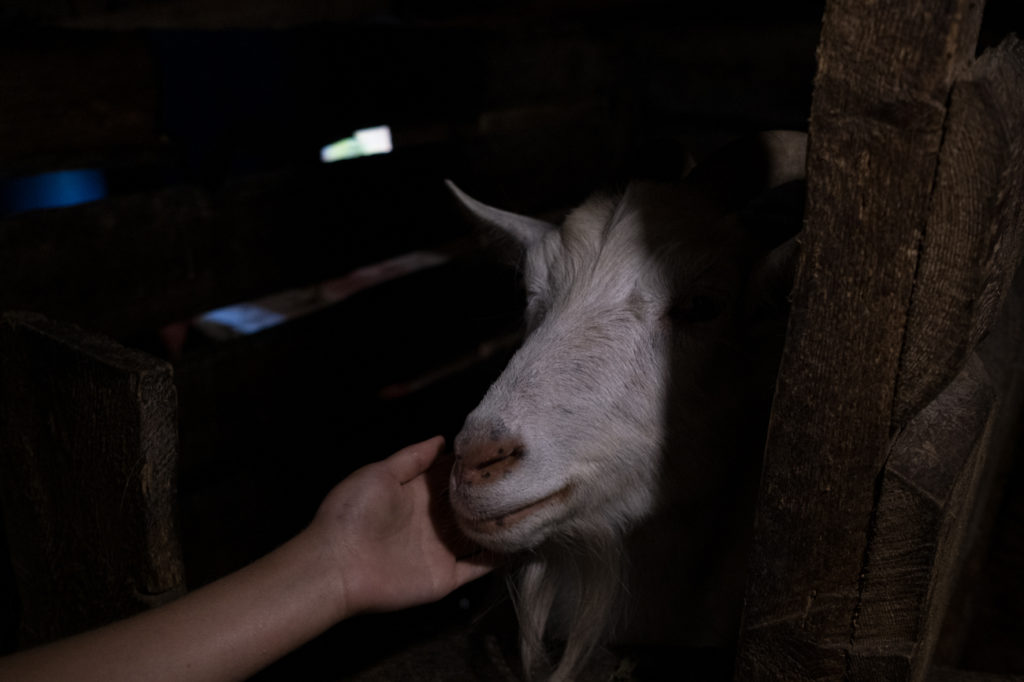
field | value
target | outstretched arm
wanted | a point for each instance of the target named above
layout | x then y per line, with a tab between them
376	544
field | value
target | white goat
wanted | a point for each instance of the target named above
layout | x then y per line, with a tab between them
631	420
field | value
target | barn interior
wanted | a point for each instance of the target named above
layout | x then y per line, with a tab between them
253	193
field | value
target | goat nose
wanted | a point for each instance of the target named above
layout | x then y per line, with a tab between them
486	458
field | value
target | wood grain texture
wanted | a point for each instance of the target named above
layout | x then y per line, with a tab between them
88	455
885	73
927	490
972	239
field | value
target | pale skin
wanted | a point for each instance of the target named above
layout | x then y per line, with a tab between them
376	544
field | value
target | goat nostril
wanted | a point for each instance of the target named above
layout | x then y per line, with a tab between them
515	453
485	464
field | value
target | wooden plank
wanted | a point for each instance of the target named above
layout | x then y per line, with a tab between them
984	624
88	456
885	72
969	255
925	498
995	85
972	241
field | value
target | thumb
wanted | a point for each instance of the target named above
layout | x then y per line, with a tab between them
413	460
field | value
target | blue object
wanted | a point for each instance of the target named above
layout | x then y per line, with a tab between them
52	190
244	318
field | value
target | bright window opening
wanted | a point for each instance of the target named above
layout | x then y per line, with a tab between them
364	142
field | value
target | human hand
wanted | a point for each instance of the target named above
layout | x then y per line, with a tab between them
383	539
390	530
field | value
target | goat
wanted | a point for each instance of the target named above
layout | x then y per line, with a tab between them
629	424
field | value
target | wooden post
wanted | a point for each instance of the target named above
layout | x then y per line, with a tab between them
912	238
88	451
921	514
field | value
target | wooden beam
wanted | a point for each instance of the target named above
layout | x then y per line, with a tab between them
986	127
924	502
971	243
88	457
877	116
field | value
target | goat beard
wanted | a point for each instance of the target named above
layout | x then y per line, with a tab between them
571	591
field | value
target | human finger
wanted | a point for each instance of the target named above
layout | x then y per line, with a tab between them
413	460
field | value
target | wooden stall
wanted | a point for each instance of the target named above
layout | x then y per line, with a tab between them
144	451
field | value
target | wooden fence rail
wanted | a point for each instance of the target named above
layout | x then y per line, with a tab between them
88	452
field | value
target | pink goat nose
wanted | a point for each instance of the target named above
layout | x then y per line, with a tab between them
483	458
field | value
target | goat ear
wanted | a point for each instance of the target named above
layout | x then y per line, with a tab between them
770	283
523	229
775	215
773	222
744	169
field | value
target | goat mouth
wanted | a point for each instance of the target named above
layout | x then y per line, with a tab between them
495	524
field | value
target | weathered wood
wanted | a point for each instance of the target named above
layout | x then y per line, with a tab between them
971	242
984	624
885	72
981	617
969	255
924	506
88	451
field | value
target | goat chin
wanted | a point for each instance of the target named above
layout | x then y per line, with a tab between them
573	591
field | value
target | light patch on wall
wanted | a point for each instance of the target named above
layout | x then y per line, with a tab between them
242	318
364	142
52	190
250	317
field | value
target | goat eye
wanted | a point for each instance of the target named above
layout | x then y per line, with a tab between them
695	309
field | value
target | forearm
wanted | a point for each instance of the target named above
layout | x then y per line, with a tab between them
225	631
